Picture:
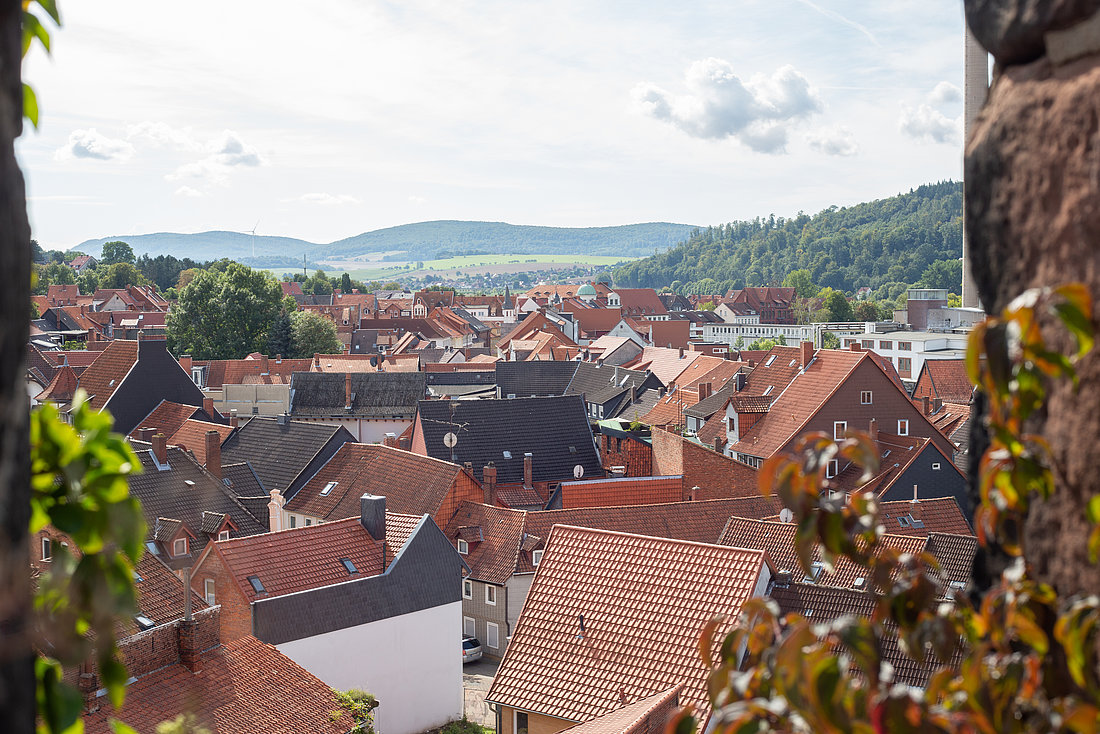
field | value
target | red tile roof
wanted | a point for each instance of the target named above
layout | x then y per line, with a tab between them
669	410
192	436
949	379
640	301
62	388
361	363
644	716
245	686
621	491
160	592
643	602
300	558
896	455
399	528
495	557
666	363
167	418
107	372
412	483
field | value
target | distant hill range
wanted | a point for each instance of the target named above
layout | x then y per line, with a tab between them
421	241
887	242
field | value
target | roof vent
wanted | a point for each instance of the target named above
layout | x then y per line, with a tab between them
282	419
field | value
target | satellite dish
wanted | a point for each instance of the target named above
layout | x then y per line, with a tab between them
374	361
578	471
450	440
785	515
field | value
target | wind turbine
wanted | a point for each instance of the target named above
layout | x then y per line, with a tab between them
253	233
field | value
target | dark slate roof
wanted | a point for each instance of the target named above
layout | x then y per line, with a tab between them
375	394
609	385
280	454
167	494
467	377
426	573
554	430
363	341
530	379
708	406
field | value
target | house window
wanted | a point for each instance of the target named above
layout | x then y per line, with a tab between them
293	521
223	535
47	550
309	521
832	468
463	546
208	591
467	589
865	397
536	556
839	428
469	627
521	725
179	547
886	345
935	466
868	344
492	635
903	427
905	346
490	594
905	365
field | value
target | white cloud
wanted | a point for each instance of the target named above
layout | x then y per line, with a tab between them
833	141
417	200
90	144
189	192
945	93
163	135
326	199
928	124
718	105
226	152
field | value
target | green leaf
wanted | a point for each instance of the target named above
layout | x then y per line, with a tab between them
33	28
30	105
120	728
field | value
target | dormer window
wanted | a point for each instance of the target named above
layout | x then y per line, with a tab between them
257	585
536	558
223	535
463	547
179	547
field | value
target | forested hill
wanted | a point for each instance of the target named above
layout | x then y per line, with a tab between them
886	241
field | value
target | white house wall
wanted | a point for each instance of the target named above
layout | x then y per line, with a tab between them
411	663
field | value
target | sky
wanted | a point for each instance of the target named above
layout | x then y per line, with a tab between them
324	120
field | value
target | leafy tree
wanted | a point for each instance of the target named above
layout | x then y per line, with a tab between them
319	284
88	281
392	286
312	334
954	300
345	283
224	313
762	345
289	304
185	277
38	255
840	309
945	274
829	340
708	306
60	274
802	282
867	311
739	343
361	706
280	339
117	252
120	275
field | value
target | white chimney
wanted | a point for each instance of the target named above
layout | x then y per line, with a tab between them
275	511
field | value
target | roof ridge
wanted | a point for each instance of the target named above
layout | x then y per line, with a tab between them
305	529
566	527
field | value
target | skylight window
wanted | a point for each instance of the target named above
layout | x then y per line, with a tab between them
770	360
769	390
144	622
507	454
328	488
257	585
349	566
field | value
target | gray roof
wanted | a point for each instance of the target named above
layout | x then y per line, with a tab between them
283	455
363	341
609	385
531	379
712	404
554	430
426	573
374	394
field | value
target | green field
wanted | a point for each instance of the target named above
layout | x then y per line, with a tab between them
471	263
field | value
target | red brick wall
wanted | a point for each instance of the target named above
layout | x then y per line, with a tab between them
924	387
236	612
465	487
715	474
636	456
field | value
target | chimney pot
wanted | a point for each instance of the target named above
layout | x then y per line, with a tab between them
347	391
372	515
528	471
160	448
214	453
208	406
275	511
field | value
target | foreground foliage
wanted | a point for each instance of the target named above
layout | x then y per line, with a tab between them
1027	659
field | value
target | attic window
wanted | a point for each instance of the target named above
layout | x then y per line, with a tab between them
137	577
144	623
257	585
223	535
349	566
770	360
189	483
179	547
536	557
463	547
903	521
935	466
832	469
815	573
328	488
573	450
914	522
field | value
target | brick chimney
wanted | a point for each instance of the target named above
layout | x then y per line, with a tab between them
347	391
937	405
873	430
263	365
926	405
146	434
372	515
160	448
208	406
807	352
855	347
528	470
691	494
489	483
390	440
704	390
234	421
188	644
718	441
88	682
317	361
185	363
275	511
214	453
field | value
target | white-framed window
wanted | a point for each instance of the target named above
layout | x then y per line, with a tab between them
935	466
47	549
492	635
208	591
536	557
469	627
309	521
865	397
490	594
903	427
467	589
179	547
839	429
223	535
832	468
463	546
